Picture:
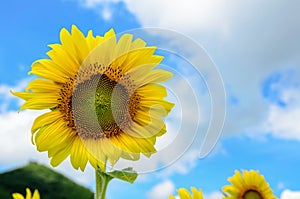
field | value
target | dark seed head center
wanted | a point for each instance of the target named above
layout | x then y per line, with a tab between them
97	106
252	194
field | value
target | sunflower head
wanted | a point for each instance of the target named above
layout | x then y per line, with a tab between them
35	195
248	185
103	96
185	194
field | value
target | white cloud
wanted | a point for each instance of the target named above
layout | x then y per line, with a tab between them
15	134
283	123
282	120
183	165
106	13
16	147
288	194
213	195
6	98
103	7
162	190
15	143
94	3
256	20
187	17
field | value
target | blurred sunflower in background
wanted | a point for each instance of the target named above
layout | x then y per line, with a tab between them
35	195
248	185
104	98
185	194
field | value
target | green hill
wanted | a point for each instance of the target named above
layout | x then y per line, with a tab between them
51	185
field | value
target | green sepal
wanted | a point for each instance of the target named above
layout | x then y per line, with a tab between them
128	175
54	108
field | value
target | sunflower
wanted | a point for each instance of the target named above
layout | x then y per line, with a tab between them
36	195
248	185
184	194
103	96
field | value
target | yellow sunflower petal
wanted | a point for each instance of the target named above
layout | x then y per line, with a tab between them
135	145
146	127
39	68
43	86
140	58
184	194
61	60
125	143
67	44
196	194
155	76
96	152
97	161
78	154
61	154
90	40
45	119
80	44
51	134
22	95
111	36
110	150
37	101
17	196
121	49
93	41
59	144
28	193
152	91
36	194
130	156
40	103
108	45
137	44
156	107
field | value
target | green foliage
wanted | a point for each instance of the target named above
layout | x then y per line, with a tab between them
49	183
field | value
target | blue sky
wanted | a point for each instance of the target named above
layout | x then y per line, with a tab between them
255	46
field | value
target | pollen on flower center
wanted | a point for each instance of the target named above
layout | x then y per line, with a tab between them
252	194
65	102
97	106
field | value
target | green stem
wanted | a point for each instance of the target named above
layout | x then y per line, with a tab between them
102	180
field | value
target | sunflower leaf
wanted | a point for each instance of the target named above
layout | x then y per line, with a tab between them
128	175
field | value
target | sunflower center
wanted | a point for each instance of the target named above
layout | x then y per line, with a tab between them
111	103
100	107
252	194
96	105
